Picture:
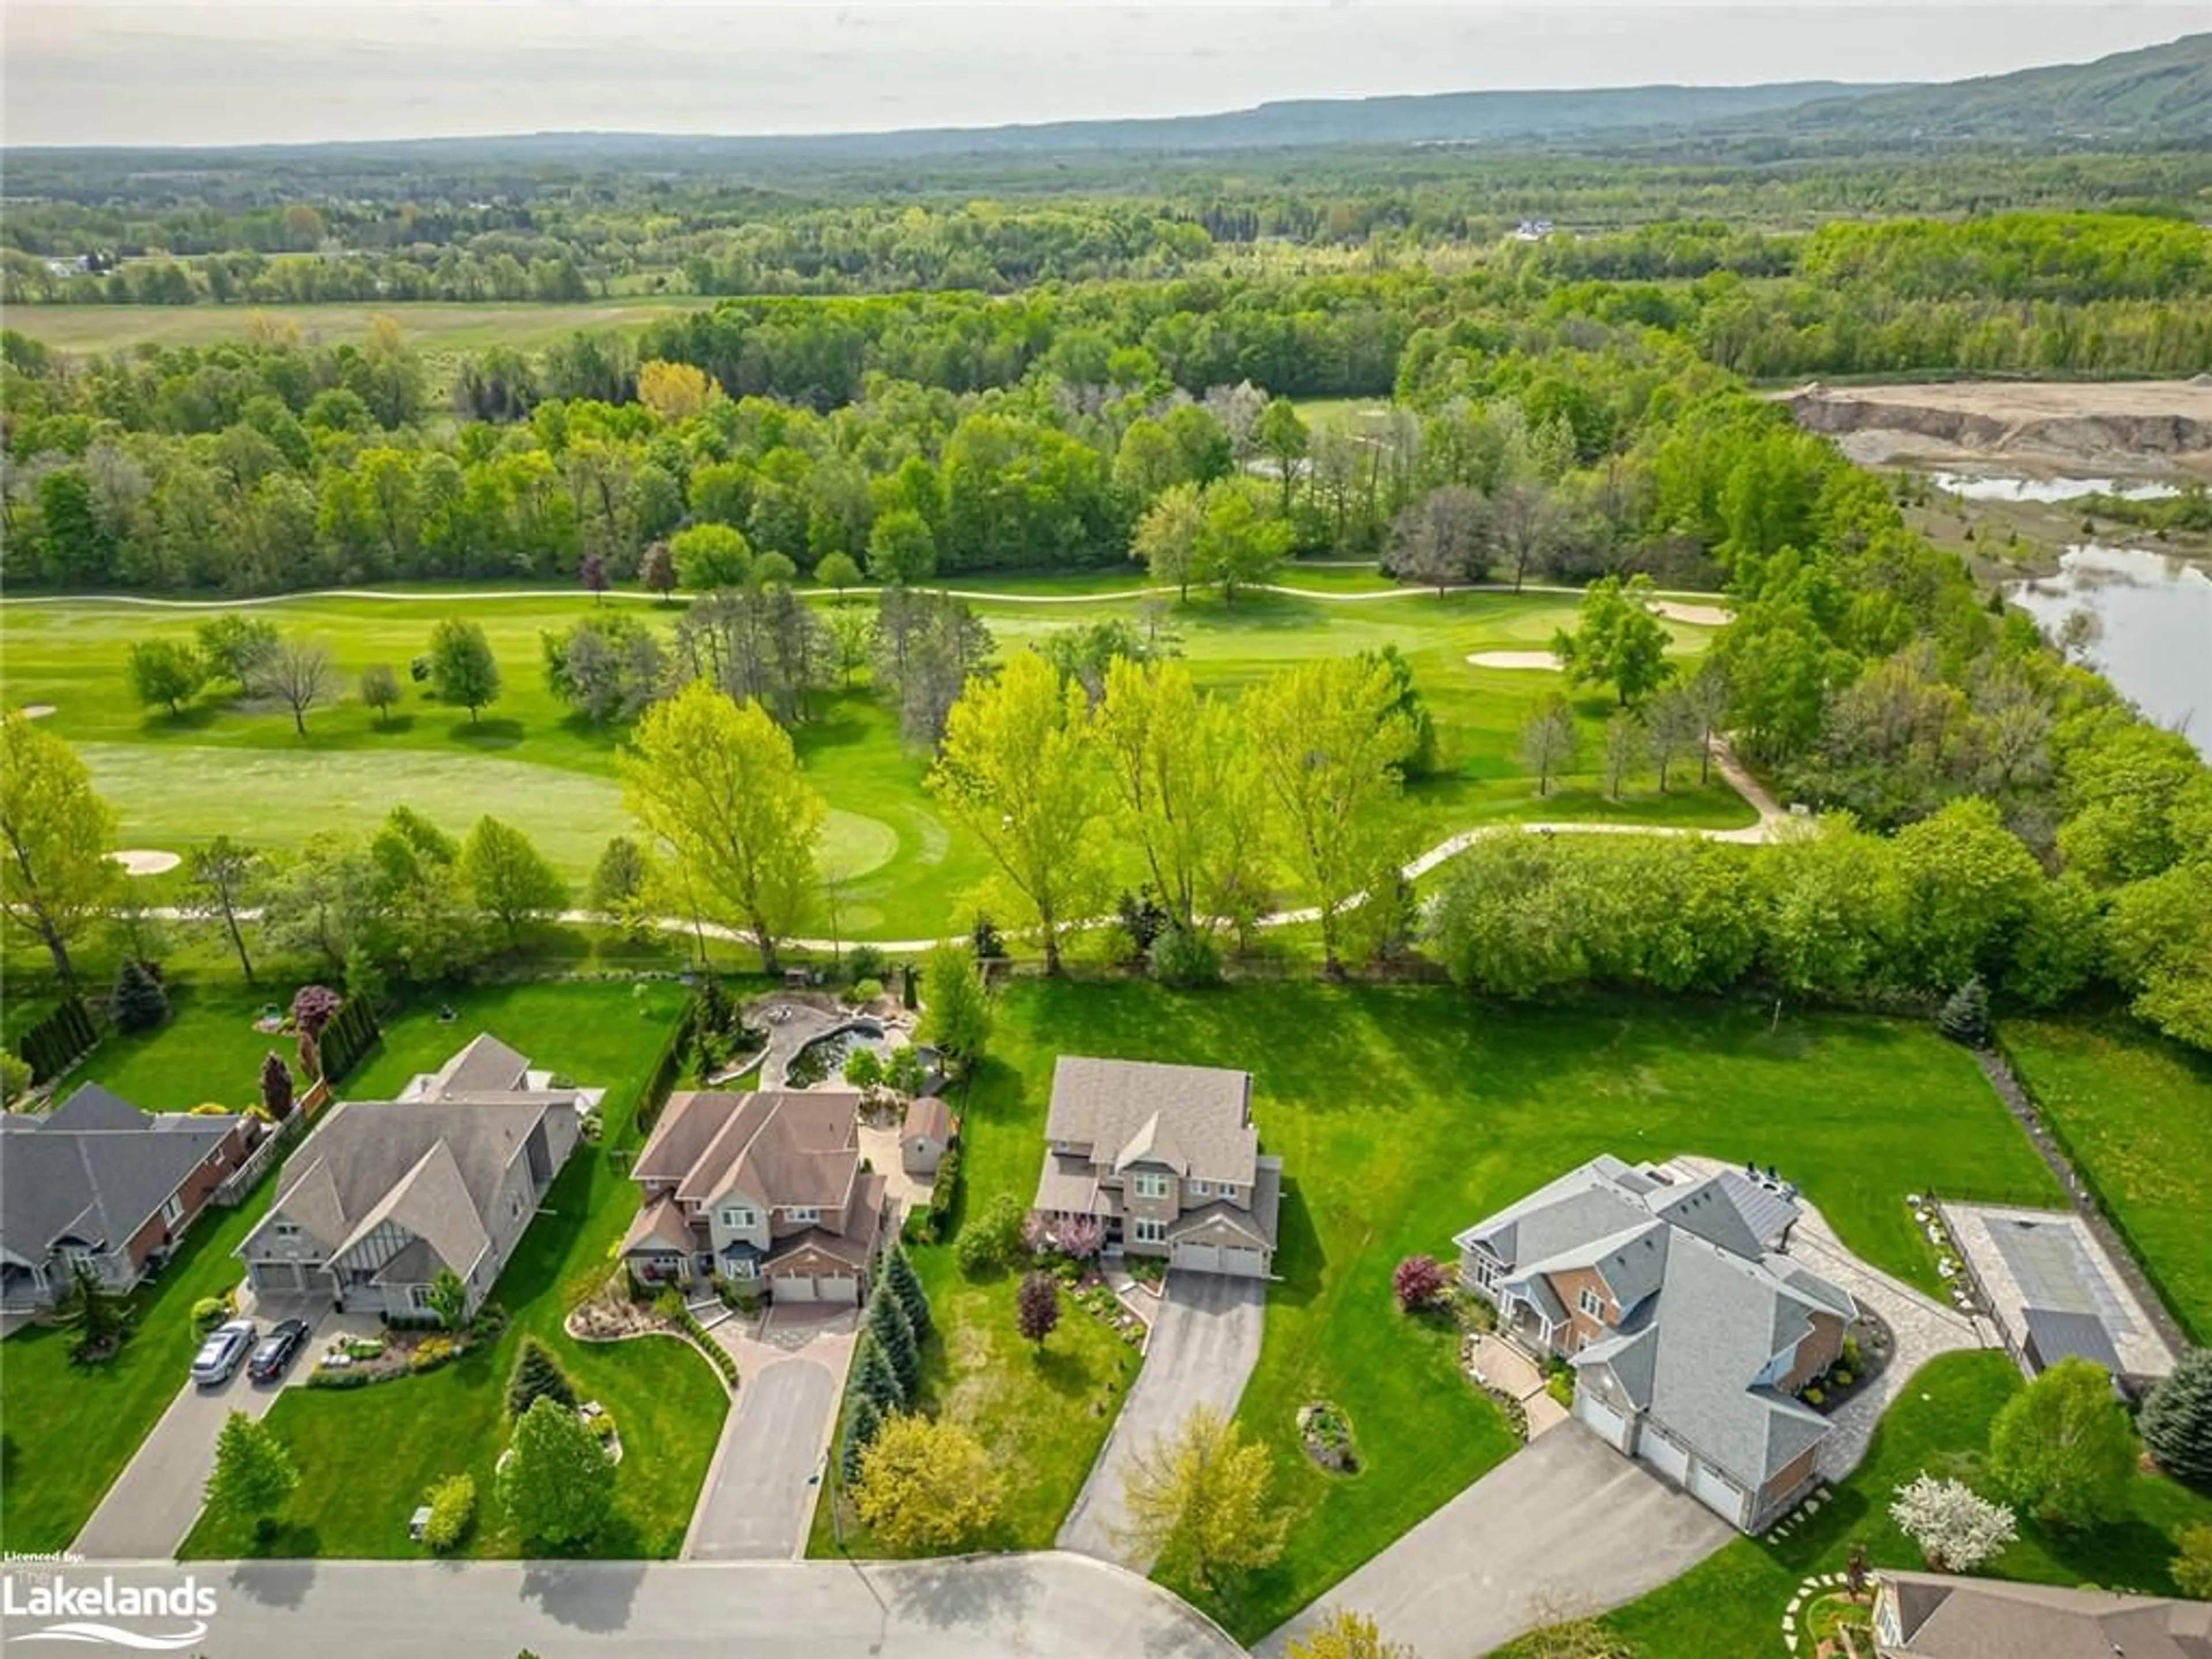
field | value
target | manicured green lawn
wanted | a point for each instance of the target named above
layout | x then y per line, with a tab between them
206	1051
1733	1602
907	870
1042	1414
2135	1112
1403	1115
365	1455
66	1430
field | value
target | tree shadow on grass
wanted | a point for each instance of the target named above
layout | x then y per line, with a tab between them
486	734
196	717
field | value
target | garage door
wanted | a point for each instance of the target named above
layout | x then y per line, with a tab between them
1202	1258
1244	1261
280	1277
1664	1456
1716	1492
840	1287
1610	1424
795	1287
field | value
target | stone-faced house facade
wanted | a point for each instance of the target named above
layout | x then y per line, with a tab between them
1691	1335
765	1190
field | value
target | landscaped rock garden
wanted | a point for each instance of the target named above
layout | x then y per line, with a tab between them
355	1362
1326	1433
1957	1283
1866	1349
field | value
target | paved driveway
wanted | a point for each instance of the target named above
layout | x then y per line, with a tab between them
758	1501
157	1498
1566	1525
1202	1348
1029	1606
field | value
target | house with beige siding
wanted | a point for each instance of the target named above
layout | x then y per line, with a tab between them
1691	1334
765	1190
1166	1159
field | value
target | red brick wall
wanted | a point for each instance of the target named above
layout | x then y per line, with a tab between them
155	1233
1823	1345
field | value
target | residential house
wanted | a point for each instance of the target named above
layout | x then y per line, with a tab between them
765	1190
1691	1335
98	1182
1926	1615
384	1195
1166	1159
925	1136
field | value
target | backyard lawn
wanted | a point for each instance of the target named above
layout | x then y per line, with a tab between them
1403	1115
71	1429
207	1050
365	1455
1733	1602
904	869
2135	1112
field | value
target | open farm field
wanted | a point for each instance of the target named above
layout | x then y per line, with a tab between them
904	866
431	327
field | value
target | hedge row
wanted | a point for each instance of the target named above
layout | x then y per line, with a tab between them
57	1041
352	1032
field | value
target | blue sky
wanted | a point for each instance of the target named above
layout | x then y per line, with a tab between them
105	71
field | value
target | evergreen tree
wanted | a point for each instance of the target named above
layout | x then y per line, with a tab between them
874	1380
140	1003
2177	1421
538	1375
1965	1017
889	1324
906	1284
863	1423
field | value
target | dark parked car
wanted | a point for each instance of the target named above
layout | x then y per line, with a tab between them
224	1351
278	1350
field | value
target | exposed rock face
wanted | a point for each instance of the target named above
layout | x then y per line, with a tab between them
2102	422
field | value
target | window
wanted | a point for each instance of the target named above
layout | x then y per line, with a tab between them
1201	1189
806	1213
281	1227
738	1216
1591	1303
418	1296
1149	1231
1485	1271
172	1209
1150	1183
514	1209
742	1267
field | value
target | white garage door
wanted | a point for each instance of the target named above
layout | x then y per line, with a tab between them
795	1287
1202	1258
840	1287
1716	1492
280	1277
1664	1456
1244	1261
1611	1425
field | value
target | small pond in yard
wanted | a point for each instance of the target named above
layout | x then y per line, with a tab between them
2007	487
2147	628
822	1059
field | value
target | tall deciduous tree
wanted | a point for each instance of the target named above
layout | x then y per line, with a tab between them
1328	741
220	875
1675	726
463	670
956	1007
298	674
927	1484
717	786
1186	787
1626	744
838	572
1200	1498
1617	640
901	548
1441	539
1549	739
1018	768
1239	545
1166	538
1281	436
558	1485
510	879
253	1474
56	878
379	690
2063	1446
166	673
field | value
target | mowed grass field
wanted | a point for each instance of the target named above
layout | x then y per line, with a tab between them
905	869
429	325
2134	1113
1403	1115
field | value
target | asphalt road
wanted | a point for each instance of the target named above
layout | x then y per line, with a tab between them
1063	1605
1565	1527
157	1498
759	1497
1203	1347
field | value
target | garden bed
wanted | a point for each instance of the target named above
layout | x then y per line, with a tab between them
1326	1433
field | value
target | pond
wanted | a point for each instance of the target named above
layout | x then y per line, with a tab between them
2003	486
822	1059
2149	629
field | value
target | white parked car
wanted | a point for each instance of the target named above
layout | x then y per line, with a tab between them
224	1351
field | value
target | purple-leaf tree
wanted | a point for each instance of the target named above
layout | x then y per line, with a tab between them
593	573
314	1006
1418	1281
275	1087
1036	1306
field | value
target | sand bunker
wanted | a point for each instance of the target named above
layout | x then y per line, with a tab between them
1514	660
1700	616
143	862
35	711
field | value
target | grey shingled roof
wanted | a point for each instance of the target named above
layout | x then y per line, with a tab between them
1194	1119
1707	1209
94	1168
484	1066
1589	1202
1945	1618
796	1148
1630	1357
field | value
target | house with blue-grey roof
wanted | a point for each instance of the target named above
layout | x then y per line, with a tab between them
1690	1332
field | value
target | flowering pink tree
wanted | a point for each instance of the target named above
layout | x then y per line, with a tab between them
1080	1236
1418	1281
1036	1232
